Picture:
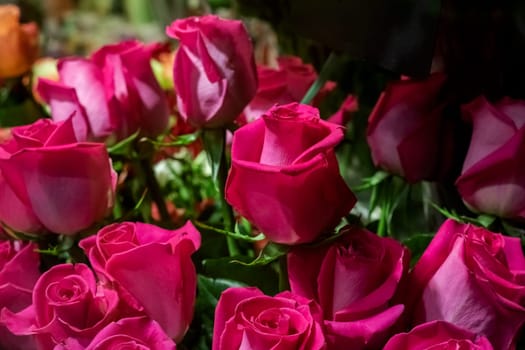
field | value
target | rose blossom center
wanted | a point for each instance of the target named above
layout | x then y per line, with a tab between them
279	321
69	289
118	240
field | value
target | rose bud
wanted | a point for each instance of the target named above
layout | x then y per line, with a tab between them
49	181
122	255
214	70
473	278
112	93
18	43
285	178
407	133
355	280
493	178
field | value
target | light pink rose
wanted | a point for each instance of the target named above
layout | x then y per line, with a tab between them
153	266
49	181
245	318
112	93
473	278
285	177
18	274
286	84
355	280
438	335
407	133
493	180
214	70
66	303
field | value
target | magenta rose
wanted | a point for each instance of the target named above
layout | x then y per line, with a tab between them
473	278
438	335
127	333
49	181
407	134
286	84
214	70
140	258
112	93
346	111
245	318
285	177
66	303
355	280
493	180
19	271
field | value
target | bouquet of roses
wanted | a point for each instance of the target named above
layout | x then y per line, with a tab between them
210	207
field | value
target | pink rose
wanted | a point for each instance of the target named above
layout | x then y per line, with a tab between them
345	112
50	181
438	335
214	70
245	318
354	280
18	274
66	303
112	93
407	134
127	333
140	258
473	278
493	178
286	84
285	177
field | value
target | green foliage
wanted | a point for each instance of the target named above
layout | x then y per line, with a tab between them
199	336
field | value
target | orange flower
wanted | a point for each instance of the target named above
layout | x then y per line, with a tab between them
18	42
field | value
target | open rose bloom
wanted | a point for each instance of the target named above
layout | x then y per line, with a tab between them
474	279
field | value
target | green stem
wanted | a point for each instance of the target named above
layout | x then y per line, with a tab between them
383	219
213	139
328	67
385	206
155	192
284	283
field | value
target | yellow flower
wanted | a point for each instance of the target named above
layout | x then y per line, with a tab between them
18	43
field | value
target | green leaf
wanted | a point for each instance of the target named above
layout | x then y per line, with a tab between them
243	227
53	251
373	180
485	220
20	114
236	235
450	214
417	245
129	215
264	277
199	336
123	147
178	141
271	252
210	289
329	66
214	140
